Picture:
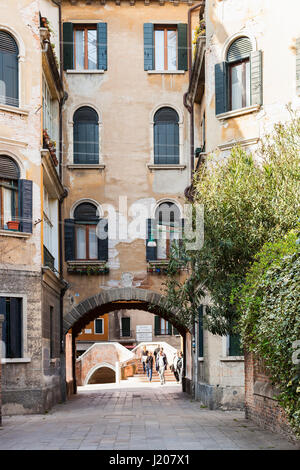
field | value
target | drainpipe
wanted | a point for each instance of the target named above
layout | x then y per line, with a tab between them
191	108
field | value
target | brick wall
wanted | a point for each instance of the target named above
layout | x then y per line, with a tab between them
260	399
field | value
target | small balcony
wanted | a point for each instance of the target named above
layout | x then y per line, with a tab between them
48	259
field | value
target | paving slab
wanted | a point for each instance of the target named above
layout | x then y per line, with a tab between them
135	417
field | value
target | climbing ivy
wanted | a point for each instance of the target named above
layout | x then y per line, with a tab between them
269	305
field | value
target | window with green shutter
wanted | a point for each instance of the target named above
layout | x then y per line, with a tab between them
85	46
235	348
86	136
238	80
200	331
165	47
11	308
9	70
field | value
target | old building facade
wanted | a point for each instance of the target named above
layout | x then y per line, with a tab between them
31	191
235	96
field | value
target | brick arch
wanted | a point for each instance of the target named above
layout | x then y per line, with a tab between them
129	298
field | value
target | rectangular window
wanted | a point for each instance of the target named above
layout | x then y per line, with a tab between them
86	242
99	327
125	323
8	201
85	47
11	307
235	348
239	82
162	326
165	47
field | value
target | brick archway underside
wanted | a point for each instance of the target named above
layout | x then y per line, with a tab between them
129	298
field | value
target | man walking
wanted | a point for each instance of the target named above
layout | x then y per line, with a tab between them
162	364
149	366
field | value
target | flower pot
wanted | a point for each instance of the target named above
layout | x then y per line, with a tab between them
13	225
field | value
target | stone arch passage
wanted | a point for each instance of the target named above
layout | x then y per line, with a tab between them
116	299
102	375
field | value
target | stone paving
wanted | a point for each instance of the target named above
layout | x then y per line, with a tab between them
135	416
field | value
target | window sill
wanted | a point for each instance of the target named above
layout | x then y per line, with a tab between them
161	266
168	72
14	109
71	71
238	112
200	359
232	359
17	360
79	166
11	233
166	167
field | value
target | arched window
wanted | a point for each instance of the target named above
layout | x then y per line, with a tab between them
86	136
168	228
239	78
86	219
9	187
9	80
166	136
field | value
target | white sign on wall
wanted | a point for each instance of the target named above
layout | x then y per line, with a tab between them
144	333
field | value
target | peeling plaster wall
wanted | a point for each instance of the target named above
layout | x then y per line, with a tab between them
125	97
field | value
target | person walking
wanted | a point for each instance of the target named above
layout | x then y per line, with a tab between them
162	365
175	367
180	366
144	358
149	366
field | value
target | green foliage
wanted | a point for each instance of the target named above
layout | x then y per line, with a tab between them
247	202
269	303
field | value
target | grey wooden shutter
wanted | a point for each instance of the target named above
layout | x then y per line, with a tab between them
200	331
68	46
182	46
102	46
15	330
103	242
151	251
298	66
25	205
148	46
256	77
4	324
69	239
221	88
157	325
239	49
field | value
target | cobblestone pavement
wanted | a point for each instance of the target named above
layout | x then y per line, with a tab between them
135	416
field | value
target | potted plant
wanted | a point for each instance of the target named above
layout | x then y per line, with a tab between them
13	225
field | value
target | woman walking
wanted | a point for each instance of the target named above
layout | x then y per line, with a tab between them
162	364
144	358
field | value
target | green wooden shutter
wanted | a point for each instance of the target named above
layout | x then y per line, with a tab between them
175	331
25	205
69	239
103	242
102	46
15	329
235	348
200	331
151	251
169	328
9	73
221	88
125	326
256	77
157	325
182	46
68	46
298	66
148	46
